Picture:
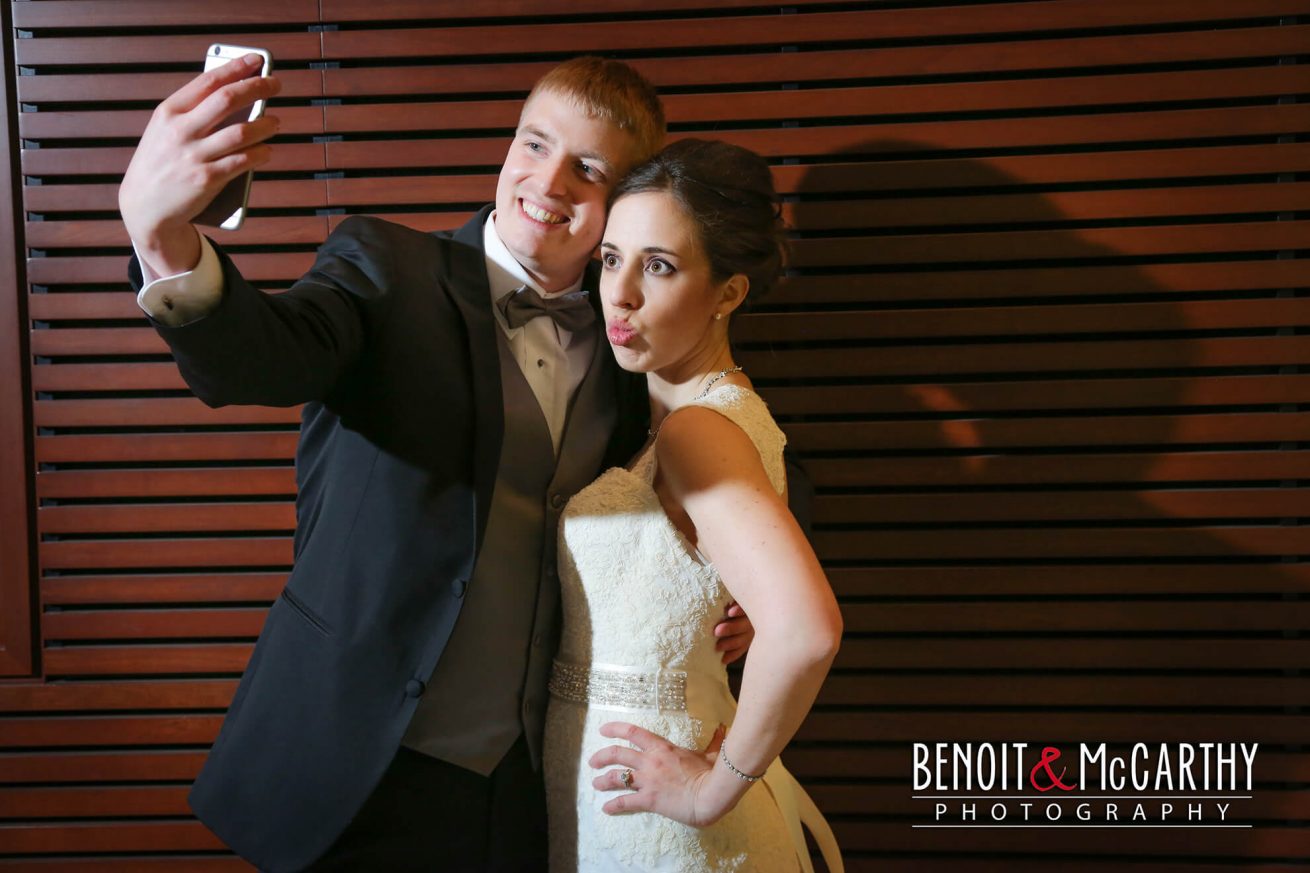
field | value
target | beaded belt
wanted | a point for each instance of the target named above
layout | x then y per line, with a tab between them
612	687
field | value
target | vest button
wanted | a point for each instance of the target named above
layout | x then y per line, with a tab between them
414	688
458	587
557	501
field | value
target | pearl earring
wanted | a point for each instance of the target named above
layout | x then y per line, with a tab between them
718	315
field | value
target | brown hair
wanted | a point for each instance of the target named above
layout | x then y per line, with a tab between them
728	193
613	92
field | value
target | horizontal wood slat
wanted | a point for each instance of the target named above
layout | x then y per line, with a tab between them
904	509
1077	468
166	483
151	659
1254	579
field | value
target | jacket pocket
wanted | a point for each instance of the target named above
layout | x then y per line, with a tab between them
311	617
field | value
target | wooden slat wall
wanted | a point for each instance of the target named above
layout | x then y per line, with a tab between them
1043	352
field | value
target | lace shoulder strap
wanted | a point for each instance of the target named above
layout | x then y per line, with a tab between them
748	411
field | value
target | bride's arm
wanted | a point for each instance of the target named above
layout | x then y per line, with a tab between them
710	468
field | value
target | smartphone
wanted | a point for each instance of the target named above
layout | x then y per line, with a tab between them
228	209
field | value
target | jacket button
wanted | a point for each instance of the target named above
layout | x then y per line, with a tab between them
458	587
414	688
557	501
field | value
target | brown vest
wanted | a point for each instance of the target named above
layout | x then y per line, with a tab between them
490	683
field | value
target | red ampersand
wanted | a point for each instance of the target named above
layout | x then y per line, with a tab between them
1049	756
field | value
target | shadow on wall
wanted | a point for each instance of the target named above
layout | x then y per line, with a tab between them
1020	466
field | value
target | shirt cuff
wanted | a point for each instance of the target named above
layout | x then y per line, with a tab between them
182	298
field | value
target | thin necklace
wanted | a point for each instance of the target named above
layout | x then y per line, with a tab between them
726	372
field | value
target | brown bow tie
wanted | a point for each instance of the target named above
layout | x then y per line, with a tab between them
571	311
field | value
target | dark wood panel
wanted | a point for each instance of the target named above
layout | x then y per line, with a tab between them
1044	320
963	543
1062	616
119	87
1063	469
156	660
388	10
167	447
129	124
98	802
166	483
57	14
134	694
1268	807
157	411
161	49
160	624
167	517
298	230
1044	282
1056	726
1065	653
887	61
1137	89
894	763
886	24
1164	127
114	730
161	588
46	767
1104	430
892	171
77	161
1082	243
713	108
1235	503
1152	692
1047	207
421	190
141	864
1191	391
210	552
127	836
1034	357
1247	579
264	194
1273	844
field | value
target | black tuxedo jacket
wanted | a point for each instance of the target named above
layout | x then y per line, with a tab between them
389	341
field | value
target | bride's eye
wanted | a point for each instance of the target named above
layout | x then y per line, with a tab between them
610	261
659	267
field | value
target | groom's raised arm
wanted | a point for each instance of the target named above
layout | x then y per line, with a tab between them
234	344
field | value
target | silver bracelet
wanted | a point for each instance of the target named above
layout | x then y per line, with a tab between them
723	753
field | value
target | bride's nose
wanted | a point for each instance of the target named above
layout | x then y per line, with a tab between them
624	291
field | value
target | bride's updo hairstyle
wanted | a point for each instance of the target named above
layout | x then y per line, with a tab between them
727	191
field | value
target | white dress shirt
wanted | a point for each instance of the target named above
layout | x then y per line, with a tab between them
554	361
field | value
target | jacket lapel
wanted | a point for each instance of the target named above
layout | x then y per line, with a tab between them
466	279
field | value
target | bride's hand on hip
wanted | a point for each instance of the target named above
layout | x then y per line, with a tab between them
659	776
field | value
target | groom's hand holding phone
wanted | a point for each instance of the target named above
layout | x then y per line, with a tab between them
185	158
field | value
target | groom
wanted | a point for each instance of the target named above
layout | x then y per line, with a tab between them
457	392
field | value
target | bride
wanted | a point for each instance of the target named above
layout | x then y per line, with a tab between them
651	554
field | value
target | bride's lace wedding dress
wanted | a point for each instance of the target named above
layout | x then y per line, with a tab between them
639	610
